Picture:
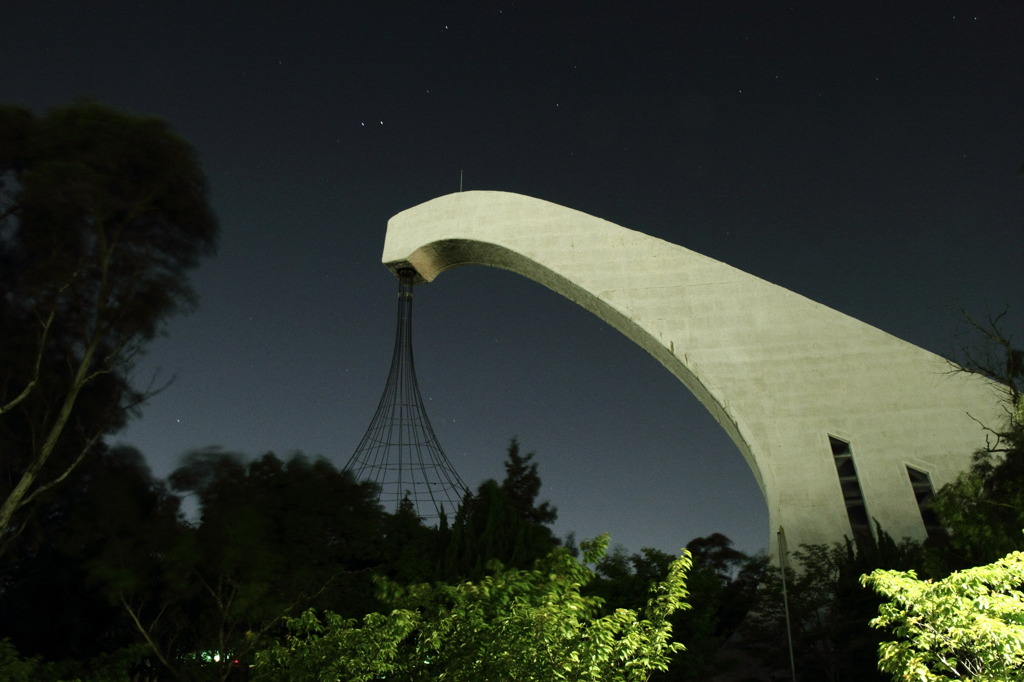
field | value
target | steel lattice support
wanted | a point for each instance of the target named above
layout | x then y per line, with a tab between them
400	451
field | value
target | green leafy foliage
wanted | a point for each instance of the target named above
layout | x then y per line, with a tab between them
125	664
513	624
15	668
969	625
722	588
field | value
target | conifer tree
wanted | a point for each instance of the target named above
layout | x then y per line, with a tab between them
501	522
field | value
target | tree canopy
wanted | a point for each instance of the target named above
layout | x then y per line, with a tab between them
103	214
514	624
968	625
502	521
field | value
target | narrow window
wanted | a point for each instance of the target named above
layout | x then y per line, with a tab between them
921	482
860	524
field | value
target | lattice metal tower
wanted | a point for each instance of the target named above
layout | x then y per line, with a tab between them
400	451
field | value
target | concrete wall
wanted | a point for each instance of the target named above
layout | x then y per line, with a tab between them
778	371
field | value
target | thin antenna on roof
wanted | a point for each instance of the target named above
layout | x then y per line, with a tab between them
460	181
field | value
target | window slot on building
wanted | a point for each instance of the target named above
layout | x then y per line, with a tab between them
860	524
921	482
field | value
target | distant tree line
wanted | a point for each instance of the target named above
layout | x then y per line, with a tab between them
118	582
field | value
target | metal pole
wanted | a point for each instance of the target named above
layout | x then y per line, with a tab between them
785	600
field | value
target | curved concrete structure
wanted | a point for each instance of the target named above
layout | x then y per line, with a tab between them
828	411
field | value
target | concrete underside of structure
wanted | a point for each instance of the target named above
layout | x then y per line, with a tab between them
787	378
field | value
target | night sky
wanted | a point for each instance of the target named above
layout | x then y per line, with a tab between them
866	155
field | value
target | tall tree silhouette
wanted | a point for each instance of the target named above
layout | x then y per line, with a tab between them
522	485
102	216
501	522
